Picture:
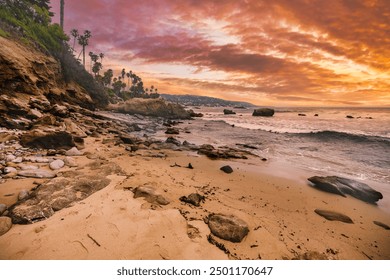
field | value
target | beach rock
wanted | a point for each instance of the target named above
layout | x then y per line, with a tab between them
9	158
223	152
311	255
40	104
28	167
302	115
39	173
60	111
3	207
55	195
150	195
173	140
228	228
10	169
73	152
30	213
228	112
18	160
37	159
227	169
71	162
349	117
46	120
194	115
47	140
334	216
315	115
263	112
382	225
344	186
172	130
74	129
23	194
129	139
194	199
151	107
56	164
5	225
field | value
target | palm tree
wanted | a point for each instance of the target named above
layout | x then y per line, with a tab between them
62	14
101	55
128	75
75	34
83	41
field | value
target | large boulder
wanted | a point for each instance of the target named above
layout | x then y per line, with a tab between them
151	107
47	140
228	227
263	112
343	186
54	196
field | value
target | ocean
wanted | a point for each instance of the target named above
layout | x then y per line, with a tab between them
318	139
310	141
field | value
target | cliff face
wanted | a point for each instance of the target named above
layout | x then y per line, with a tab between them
28	78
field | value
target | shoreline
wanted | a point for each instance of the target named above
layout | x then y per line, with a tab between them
279	212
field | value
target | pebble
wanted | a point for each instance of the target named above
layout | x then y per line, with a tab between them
74	152
9	169
23	194
18	160
9	158
71	162
56	164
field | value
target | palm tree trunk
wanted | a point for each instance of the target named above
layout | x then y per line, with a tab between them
84	56
62	14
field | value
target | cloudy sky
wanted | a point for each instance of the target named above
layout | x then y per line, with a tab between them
279	53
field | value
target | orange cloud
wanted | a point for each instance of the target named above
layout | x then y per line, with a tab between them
334	52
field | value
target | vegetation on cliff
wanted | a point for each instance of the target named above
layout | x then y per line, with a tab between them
29	22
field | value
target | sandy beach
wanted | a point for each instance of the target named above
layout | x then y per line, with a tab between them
112	224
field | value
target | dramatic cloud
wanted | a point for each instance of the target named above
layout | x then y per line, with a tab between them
282	52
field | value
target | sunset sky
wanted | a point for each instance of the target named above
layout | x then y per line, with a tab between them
275	53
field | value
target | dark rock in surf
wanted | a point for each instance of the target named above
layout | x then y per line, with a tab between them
173	140
194	115
315	115
228	227
228	112
302	115
349	117
172	130
263	112
227	169
334	216
344	187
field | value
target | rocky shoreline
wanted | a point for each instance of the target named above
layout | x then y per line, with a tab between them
72	158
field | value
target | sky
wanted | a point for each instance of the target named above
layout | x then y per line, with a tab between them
271	53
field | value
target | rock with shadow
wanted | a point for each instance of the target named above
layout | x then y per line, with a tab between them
343	186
